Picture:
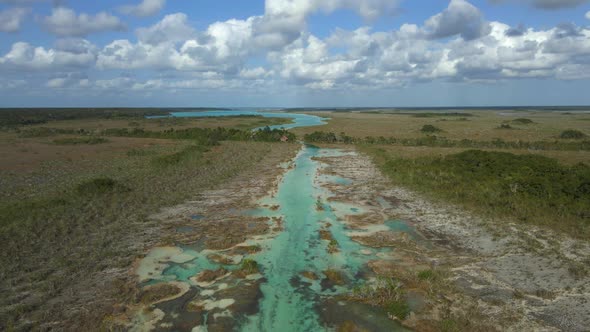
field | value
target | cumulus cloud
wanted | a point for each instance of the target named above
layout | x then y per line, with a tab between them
172	28
12	18
25	56
457	44
145	8
459	18
65	22
588	15
547	4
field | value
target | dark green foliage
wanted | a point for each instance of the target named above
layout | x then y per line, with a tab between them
530	188
100	186
207	136
321	137
572	134
437	141
31	116
91	140
430	129
522	121
505	126
442	114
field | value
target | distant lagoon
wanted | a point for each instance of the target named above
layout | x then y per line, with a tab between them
299	120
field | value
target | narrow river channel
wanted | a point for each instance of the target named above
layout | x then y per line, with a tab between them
305	269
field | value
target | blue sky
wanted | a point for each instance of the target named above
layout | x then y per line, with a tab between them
294	53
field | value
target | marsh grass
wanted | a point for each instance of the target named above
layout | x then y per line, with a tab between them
84	228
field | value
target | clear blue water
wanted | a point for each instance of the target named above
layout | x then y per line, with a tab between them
299	120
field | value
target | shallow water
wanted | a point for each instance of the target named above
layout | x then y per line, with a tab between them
299	120
289	306
291	301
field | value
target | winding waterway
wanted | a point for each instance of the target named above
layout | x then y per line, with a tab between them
299	120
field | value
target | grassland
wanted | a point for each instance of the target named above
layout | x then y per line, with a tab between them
517	166
474	125
74	205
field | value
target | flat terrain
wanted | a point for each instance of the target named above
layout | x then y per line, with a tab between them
462	124
116	221
73	207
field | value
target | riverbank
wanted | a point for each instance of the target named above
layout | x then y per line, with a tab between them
470	275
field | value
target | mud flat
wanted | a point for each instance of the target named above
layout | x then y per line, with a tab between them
465	273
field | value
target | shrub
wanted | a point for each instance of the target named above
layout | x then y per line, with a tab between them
100	186
522	121
572	134
505	126
430	129
80	140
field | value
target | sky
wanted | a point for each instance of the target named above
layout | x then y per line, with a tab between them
294	53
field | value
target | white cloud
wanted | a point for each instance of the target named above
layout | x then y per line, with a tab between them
588	15
172	28
460	18
24	56
65	22
145	8
12	18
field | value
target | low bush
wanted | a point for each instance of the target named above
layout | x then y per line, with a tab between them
529	188
100	186
572	134
91	140
430	129
522	121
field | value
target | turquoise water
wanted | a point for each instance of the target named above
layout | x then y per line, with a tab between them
299	120
286	305
291	301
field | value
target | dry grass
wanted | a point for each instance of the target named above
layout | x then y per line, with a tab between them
63	244
482	126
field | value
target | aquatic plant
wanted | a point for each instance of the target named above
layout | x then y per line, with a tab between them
249	266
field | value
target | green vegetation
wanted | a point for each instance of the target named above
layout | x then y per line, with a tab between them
430	129
77	226
530	188
439	114
425	275
505	126
30	116
385	292
100	186
207	136
437	141
91	140
522	121
572	134
249	266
